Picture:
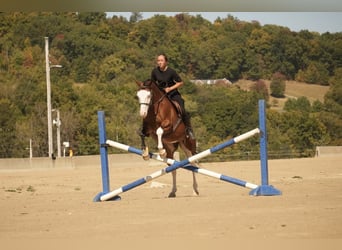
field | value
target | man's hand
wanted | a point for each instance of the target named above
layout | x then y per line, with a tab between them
168	89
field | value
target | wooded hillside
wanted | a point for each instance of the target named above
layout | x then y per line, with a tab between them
102	57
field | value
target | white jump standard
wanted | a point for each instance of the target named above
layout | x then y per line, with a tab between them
263	189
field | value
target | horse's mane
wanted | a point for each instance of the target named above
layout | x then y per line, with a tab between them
149	84
155	88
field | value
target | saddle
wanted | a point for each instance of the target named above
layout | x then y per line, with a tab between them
179	113
161	86
177	106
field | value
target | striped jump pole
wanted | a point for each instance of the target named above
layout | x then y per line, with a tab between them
176	165
104	156
264	189
187	167
221	177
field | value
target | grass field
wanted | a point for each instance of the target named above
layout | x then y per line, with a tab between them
293	90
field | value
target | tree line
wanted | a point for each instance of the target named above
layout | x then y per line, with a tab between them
102	57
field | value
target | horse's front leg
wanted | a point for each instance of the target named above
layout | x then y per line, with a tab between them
145	152
162	151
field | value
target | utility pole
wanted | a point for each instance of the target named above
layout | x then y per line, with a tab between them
31	154
57	122
48	96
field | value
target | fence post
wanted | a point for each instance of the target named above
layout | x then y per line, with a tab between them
104	157
264	189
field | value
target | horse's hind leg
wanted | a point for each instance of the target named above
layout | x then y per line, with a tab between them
194	180
170	149
172	194
194	184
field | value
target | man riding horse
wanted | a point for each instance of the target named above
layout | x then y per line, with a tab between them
162	118
169	81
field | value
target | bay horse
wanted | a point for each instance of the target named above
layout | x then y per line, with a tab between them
162	121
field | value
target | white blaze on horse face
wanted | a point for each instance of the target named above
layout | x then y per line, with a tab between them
144	101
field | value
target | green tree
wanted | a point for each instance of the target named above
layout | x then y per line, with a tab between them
91	18
315	73
278	85
261	89
111	67
135	17
300	104
333	99
8	116
304	131
333	104
279	143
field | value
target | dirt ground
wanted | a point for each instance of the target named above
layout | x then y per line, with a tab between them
57	204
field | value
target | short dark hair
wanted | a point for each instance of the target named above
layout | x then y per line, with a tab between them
165	57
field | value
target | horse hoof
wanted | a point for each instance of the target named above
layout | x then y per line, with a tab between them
195	193
162	153
145	154
172	195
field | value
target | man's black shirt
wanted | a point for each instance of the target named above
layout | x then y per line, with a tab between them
166	78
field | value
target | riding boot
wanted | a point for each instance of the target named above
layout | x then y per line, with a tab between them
188	127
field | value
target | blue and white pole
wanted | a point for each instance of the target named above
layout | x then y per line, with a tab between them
264	189
174	166
103	155
221	177
187	167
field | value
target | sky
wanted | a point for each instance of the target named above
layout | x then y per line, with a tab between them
313	21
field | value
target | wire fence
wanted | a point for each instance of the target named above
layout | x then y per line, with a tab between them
224	155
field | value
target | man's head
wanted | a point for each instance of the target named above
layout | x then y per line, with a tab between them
162	61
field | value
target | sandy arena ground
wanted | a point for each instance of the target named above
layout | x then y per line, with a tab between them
57	204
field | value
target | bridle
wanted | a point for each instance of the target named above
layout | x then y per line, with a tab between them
145	103
148	88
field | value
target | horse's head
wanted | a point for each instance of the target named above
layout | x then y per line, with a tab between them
144	95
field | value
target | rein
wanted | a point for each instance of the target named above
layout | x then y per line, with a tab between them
161	98
158	102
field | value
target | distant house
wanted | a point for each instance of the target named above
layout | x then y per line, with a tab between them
222	82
